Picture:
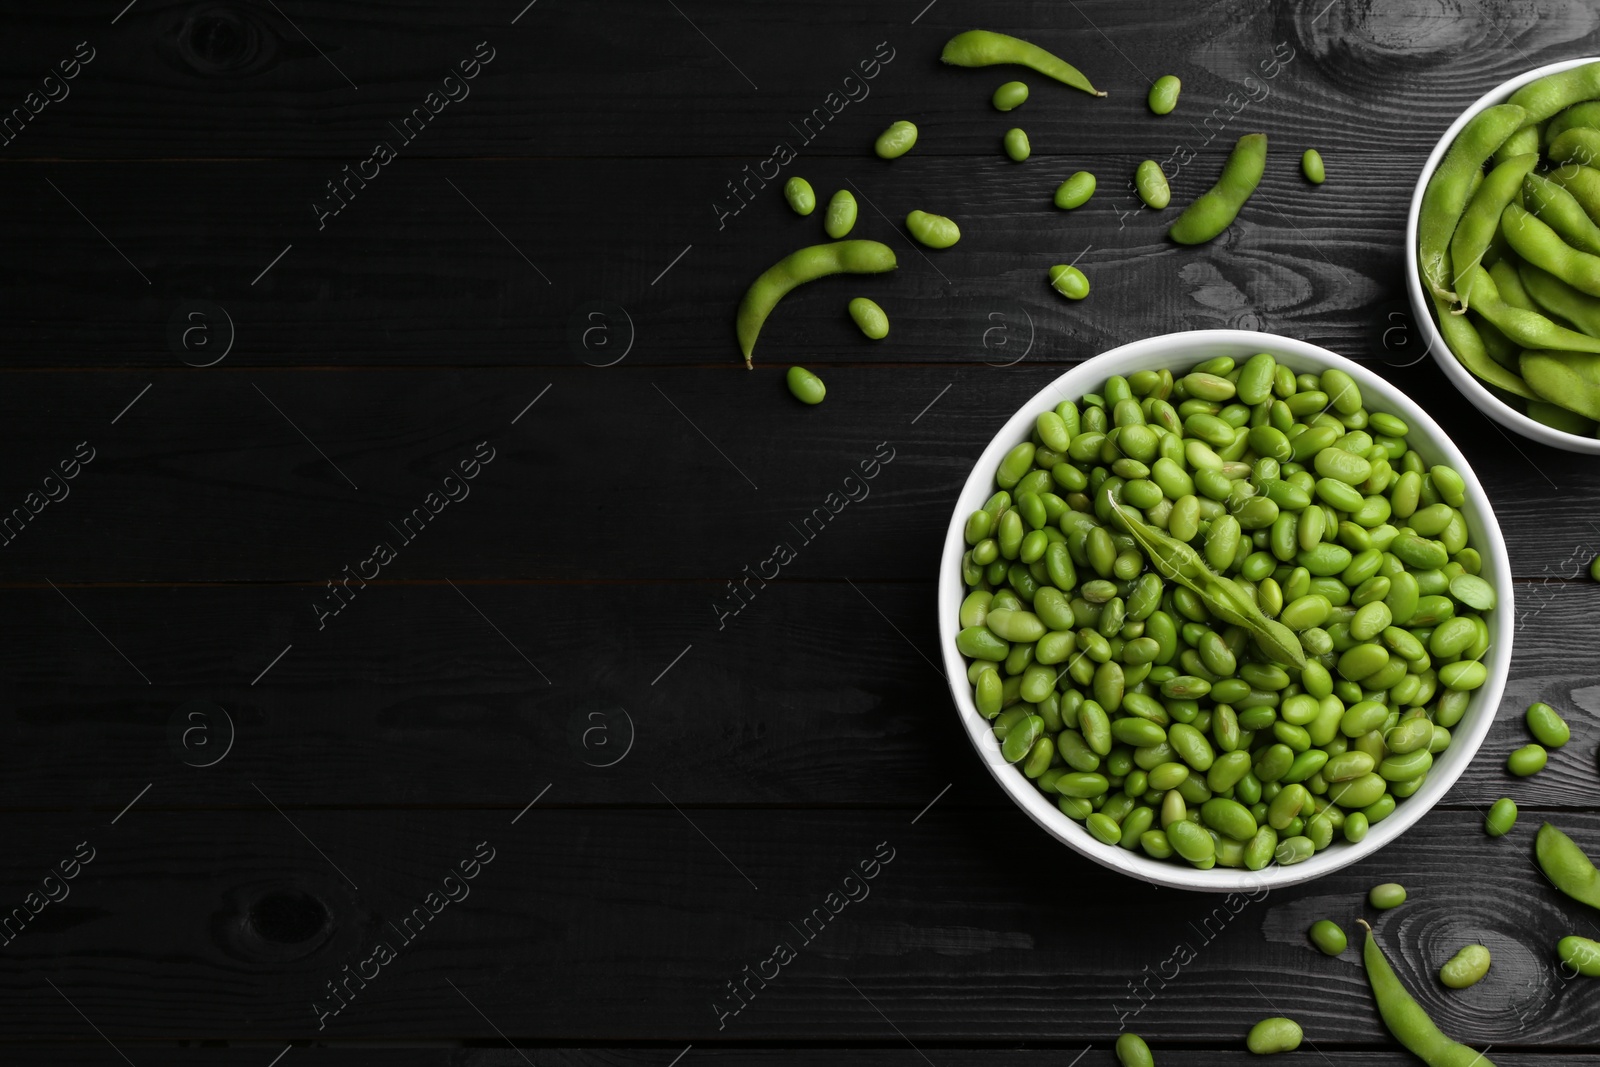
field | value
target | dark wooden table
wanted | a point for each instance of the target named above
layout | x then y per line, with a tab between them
373	672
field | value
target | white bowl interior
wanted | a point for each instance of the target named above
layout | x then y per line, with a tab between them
1179	351
1422	308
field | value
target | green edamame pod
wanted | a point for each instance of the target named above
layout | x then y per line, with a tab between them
1214	210
1542	98
797	268
840	218
869	317
1164	94
1570	379
1529	329
1565	864
934	231
1151	185
985	48
1311	166
1406	1019
1075	191
797	191
1480	221
1466	344
896	141
1540	245
1016	144
1009	96
1561	212
1445	197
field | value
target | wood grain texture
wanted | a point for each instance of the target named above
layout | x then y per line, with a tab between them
971	924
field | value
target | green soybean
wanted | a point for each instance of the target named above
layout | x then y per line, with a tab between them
840	217
1164	94
869	318
1274	1035
1215	209
1009	96
1075	191
1133	1052
797	268
1387	895
896	141
1581	954
797	191
1016	144
1547	725
1151	185
1527	760
1501	818
806	387
1328	937
1311	166
1069	281
934	231
1466	968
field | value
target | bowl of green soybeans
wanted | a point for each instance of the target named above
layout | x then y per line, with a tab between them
1503	270
1224	610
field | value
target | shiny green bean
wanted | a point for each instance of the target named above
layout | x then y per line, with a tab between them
1164	94
1312	167
1274	1035
802	200
869	318
1466	968
1151	185
1016	144
806	387
1010	96
1075	191
896	141
1328	937
934	231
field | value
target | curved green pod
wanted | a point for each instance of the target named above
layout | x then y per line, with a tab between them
985	48
797	268
1214	210
1447	191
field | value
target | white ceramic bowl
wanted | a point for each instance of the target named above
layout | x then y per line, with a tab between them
1176	351
1422	307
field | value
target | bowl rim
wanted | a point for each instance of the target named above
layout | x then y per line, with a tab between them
1179	349
1421	307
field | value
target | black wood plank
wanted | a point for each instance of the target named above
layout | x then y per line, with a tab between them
233	475
411	698
230	924
722	78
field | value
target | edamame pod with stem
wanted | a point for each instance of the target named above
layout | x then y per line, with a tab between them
1467	346
797	268
985	48
1214	210
1406	1019
1445	197
1481	219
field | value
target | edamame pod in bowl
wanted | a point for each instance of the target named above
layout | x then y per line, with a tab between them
1201	659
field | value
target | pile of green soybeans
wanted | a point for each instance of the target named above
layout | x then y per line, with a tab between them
1223	616
1508	245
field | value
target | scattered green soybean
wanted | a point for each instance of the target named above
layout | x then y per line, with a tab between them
1069	281
1501	818
806	387
934	231
1274	1035
840	218
869	318
1133	1052
896	141
1547	725
1010	96
797	191
1311	166
1164	94
1581	954
1527	760
1328	937
1387	895
1016	144
1466	968
1075	191
1151	185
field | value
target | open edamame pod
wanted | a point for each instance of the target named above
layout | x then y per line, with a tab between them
1570	379
1406	1019
1214	210
1445	197
797	268
1481	219
985	48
